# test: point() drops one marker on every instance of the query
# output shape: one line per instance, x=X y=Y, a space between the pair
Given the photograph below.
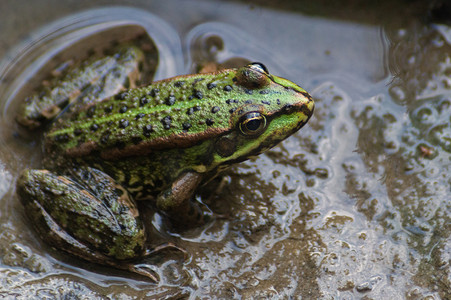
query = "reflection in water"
x=355 y=205
x=412 y=157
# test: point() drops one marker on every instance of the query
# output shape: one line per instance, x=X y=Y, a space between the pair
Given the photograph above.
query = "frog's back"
x=175 y=113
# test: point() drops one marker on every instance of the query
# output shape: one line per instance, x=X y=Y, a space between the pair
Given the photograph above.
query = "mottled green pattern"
x=93 y=80
x=95 y=214
x=185 y=109
x=157 y=143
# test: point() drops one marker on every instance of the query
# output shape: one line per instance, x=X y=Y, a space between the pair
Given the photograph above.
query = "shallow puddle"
x=355 y=205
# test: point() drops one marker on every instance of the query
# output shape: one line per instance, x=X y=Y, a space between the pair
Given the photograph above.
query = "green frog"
x=109 y=143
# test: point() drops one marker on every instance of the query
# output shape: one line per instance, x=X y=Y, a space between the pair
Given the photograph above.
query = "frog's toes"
x=143 y=270
x=164 y=247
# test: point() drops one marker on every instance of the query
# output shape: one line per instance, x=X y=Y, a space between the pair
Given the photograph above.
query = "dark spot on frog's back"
x=94 y=127
x=170 y=100
x=139 y=116
x=211 y=85
x=198 y=94
x=121 y=96
x=166 y=121
x=154 y=92
x=192 y=110
x=147 y=130
x=61 y=138
x=143 y=101
x=179 y=83
x=123 y=109
x=123 y=123
x=230 y=101
x=108 y=109
x=186 y=126
x=91 y=111
x=197 y=80
x=228 y=88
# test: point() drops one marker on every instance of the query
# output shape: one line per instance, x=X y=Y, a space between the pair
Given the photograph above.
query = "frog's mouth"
x=286 y=121
x=303 y=108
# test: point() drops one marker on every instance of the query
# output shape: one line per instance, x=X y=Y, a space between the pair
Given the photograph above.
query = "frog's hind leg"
x=81 y=85
x=87 y=215
x=119 y=72
x=59 y=239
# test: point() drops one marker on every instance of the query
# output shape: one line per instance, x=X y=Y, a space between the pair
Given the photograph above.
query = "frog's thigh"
x=88 y=207
x=176 y=202
x=56 y=236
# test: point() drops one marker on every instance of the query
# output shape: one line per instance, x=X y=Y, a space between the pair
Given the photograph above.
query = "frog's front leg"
x=176 y=201
x=86 y=214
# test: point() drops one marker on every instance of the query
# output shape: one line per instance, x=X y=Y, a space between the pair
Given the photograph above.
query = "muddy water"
x=355 y=205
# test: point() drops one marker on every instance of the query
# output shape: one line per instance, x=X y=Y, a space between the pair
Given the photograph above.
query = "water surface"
x=356 y=204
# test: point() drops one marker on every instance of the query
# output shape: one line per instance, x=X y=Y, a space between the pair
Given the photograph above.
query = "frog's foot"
x=92 y=218
x=164 y=247
x=146 y=269
x=143 y=270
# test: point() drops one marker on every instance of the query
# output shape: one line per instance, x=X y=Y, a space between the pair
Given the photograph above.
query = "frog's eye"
x=254 y=76
x=258 y=67
x=252 y=123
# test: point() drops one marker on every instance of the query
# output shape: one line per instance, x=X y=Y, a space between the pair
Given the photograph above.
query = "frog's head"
x=276 y=109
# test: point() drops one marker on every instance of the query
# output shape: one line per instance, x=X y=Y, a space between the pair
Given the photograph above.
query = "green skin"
x=157 y=143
